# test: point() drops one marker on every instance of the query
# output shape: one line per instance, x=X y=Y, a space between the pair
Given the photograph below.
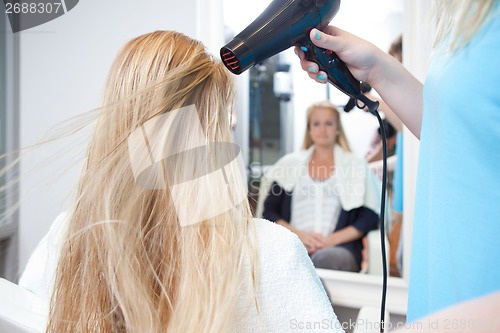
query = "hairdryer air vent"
x=230 y=60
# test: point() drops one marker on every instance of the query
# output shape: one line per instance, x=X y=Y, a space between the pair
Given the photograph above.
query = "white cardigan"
x=290 y=295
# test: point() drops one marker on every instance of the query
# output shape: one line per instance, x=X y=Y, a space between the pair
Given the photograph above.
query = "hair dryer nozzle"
x=237 y=56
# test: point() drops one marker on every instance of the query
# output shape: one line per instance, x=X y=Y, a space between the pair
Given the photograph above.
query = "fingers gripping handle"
x=338 y=74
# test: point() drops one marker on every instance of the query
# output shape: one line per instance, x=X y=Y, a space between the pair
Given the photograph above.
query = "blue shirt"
x=456 y=232
x=397 y=180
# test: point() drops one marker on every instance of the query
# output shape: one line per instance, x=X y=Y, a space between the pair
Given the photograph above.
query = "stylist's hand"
x=311 y=240
x=360 y=56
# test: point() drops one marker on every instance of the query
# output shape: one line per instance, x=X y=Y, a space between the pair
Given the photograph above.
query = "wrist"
x=331 y=241
x=382 y=68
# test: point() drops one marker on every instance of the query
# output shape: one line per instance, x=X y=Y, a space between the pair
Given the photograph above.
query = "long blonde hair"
x=127 y=264
x=460 y=20
x=341 y=137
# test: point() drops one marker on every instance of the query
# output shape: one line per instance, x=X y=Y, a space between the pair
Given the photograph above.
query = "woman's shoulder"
x=38 y=275
x=289 y=288
x=293 y=159
x=271 y=233
x=279 y=246
x=347 y=156
x=287 y=169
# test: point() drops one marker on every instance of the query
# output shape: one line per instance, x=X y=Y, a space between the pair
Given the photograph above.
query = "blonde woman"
x=456 y=115
x=160 y=236
x=324 y=194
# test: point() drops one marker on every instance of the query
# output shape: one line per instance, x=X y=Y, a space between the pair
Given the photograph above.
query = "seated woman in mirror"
x=324 y=193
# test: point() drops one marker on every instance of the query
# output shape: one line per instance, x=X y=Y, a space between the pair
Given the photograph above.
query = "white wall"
x=64 y=64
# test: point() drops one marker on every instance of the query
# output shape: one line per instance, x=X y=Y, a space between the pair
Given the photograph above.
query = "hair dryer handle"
x=338 y=74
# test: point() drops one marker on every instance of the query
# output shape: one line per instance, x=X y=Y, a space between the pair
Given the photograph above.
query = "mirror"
x=276 y=127
x=380 y=23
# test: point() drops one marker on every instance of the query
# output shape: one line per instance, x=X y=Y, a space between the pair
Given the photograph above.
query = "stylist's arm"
x=398 y=88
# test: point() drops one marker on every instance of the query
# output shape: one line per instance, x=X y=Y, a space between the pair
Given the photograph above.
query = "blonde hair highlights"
x=127 y=264
x=458 y=21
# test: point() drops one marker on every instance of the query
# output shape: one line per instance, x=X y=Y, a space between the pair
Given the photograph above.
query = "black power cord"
x=361 y=102
x=382 y=218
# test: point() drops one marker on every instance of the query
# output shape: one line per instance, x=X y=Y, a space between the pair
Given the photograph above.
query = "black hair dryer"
x=286 y=23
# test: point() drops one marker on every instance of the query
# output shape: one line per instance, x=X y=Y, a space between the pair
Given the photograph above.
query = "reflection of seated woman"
x=324 y=194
